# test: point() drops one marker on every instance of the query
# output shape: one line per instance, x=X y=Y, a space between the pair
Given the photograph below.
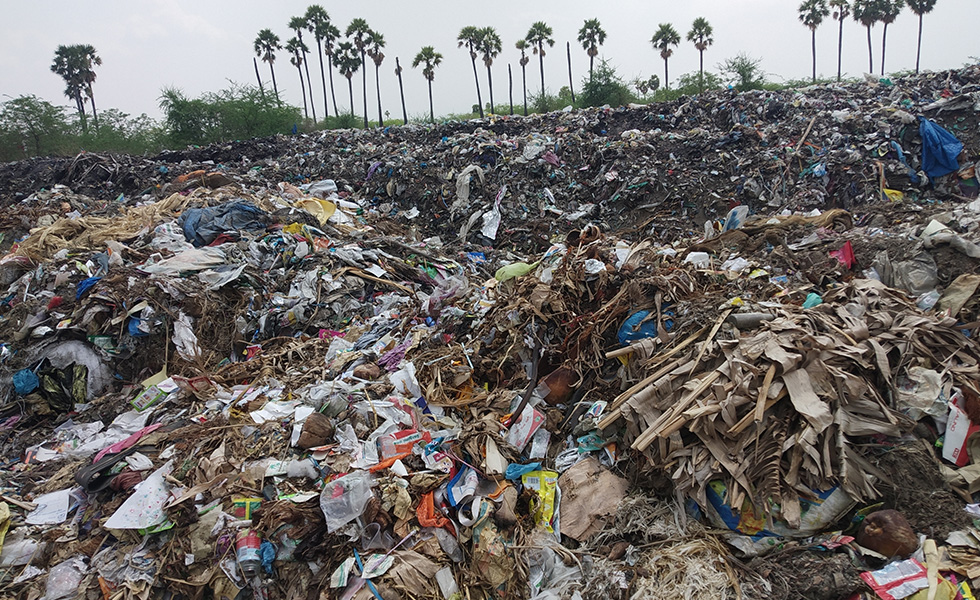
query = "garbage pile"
x=596 y=354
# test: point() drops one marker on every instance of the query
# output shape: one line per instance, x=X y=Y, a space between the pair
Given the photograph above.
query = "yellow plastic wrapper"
x=321 y=209
x=545 y=483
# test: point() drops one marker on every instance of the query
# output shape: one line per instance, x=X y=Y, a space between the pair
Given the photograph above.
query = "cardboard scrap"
x=590 y=496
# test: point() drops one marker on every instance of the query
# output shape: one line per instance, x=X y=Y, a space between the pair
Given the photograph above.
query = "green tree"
x=920 y=8
x=469 y=37
x=238 y=112
x=867 y=13
x=316 y=21
x=375 y=43
x=347 y=60
x=591 y=36
x=75 y=64
x=538 y=35
x=33 y=125
x=605 y=86
x=743 y=72
x=359 y=31
x=265 y=45
x=295 y=48
x=489 y=45
x=812 y=14
x=522 y=45
x=299 y=24
x=644 y=86
x=429 y=59
x=842 y=10
x=665 y=37
x=890 y=9
x=700 y=33
x=691 y=83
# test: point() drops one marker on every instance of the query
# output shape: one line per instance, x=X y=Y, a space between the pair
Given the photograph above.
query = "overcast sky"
x=199 y=46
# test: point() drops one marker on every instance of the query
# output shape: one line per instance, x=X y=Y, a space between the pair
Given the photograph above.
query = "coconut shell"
x=888 y=533
x=317 y=431
x=562 y=383
x=368 y=372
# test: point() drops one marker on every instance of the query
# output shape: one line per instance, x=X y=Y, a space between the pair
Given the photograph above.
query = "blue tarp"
x=202 y=225
x=940 y=149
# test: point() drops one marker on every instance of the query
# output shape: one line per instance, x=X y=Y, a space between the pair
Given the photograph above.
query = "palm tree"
x=700 y=34
x=920 y=7
x=295 y=48
x=298 y=24
x=75 y=65
x=401 y=90
x=375 y=42
x=842 y=10
x=890 y=9
x=360 y=32
x=430 y=59
x=522 y=45
x=591 y=36
x=266 y=44
x=538 y=35
x=316 y=19
x=469 y=36
x=330 y=34
x=347 y=60
x=665 y=37
x=489 y=45
x=812 y=13
x=866 y=13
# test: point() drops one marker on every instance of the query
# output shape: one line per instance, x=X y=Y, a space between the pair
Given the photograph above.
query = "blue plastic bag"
x=634 y=328
x=84 y=286
x=25 y=382
x=940 y=149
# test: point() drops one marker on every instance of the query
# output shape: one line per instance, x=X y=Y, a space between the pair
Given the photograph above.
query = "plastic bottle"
x=247 y=545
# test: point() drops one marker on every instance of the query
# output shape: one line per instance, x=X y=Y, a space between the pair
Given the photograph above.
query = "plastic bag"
x=64 y=579
x=343 y=500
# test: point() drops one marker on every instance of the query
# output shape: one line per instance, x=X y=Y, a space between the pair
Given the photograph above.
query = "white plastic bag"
x=343 y=500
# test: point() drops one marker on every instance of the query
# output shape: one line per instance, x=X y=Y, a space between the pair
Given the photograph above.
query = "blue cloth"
x=940 y=149
x=84 y=286
x=25 y=382
x=514 y=470
x=913 y=176
x=202 y=226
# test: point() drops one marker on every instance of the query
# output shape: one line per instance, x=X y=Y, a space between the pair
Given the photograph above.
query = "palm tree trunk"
x=377 y=85
x=364 y=87
x=80 y=106
x=840 y=46
x=493 y=107
x=871 y=65
x=309 y=84
x=884 y=36
x=350 y=88
x=432 y=114
x=568 y=51
x=918 y=48
x=275 y=87
x=302 y=86
x=323 y=79
x=479 y=98
x=541 y=65
x=591 y=62
x=333 y=96
x=813 y=50
x=95 y=115
x=666 y=78
x=701 y=73
x=524 y=85
x=510 y=88
x=401 y=91
x=255 y=64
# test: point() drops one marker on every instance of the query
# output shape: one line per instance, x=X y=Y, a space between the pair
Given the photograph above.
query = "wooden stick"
x=711 y=336
x=673 y=420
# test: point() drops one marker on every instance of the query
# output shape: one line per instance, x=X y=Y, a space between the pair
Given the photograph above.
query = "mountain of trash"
x=722 y=347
